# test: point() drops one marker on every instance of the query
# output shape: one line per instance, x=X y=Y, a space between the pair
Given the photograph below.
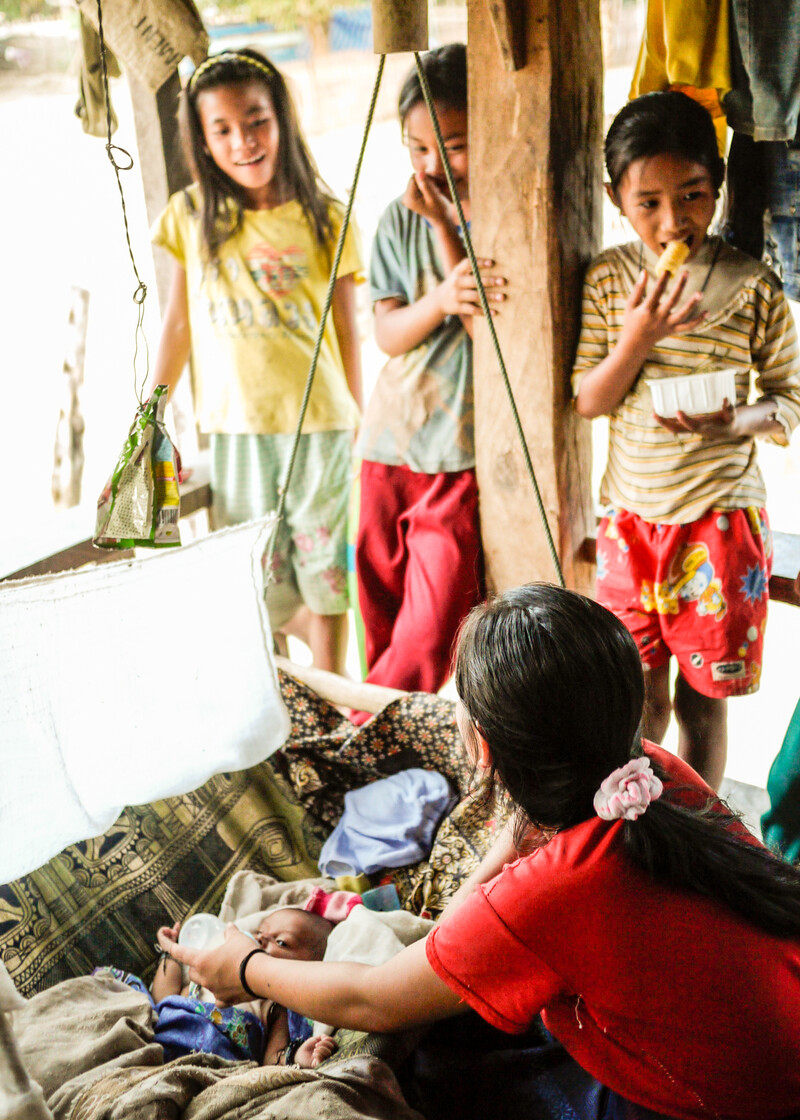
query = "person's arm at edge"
x=345 y=322
x=175 y=342
x=403 y=992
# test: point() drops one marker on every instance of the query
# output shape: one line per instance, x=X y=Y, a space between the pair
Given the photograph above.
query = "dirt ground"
x=63 y=226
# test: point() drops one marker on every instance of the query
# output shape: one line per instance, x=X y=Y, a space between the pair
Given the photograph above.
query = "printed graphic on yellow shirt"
x=691 y=578
x=276 y=271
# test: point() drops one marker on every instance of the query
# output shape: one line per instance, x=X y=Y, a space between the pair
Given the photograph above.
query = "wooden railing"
x=69 y=544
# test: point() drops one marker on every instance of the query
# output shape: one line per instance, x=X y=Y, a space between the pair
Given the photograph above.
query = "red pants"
x=419 y=565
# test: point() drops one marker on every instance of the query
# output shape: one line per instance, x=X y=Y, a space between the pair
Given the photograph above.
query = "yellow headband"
x=232 y=56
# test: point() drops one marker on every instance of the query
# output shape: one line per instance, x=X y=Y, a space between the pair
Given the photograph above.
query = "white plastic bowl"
x=202 y=931
x=696 y=395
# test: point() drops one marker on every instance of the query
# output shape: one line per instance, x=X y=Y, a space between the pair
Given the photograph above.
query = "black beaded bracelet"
x=242 y=967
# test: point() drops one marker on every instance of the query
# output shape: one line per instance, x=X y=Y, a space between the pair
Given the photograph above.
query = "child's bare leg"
x=167 y=980
x=703 y=731
x=296 y=627
x=299 y=625
x=169 y=975
x=327 y=638
x=277 y=1040
x=657 y=703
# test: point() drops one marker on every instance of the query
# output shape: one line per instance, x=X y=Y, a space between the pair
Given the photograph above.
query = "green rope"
x=321 y=329
x=487 y=314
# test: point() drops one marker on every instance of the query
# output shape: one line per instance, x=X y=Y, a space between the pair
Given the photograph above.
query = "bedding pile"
x=88 y=1043
x=100 y=902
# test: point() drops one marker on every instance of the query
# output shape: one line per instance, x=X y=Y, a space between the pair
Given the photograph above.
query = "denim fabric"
x=783 y=225
x=765 y=47
x=763 y=211
x=746 y=195
x=468 y=1069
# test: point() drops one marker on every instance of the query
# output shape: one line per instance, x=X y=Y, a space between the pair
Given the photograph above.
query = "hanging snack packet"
x=140 y=504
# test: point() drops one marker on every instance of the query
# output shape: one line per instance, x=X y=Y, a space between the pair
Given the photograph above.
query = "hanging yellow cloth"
x=686 y=46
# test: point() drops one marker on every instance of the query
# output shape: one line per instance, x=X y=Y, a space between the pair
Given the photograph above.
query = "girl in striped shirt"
x=683 y=550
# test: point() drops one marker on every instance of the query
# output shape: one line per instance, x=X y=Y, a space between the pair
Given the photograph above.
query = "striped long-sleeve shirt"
x=675 y=479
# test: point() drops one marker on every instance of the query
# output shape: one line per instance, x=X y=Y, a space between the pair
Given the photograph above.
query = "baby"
x=292 y=933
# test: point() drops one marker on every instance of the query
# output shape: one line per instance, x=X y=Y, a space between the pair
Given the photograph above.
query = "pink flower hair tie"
x=626 y=793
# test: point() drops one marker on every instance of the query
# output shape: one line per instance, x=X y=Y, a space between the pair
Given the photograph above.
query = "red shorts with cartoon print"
x=696 y=591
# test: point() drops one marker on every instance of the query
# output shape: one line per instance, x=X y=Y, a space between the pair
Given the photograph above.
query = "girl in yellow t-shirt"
x=252 y=243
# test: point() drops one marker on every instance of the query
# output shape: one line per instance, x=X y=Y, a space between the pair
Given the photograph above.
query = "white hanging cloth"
x=127 y=682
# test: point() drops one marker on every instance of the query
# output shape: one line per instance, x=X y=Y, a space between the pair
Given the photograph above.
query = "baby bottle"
x=202 y=931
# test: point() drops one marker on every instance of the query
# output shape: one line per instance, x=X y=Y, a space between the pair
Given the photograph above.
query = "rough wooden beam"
x=68 y=454
x=68 y=542
x=535 y=185
x=164 y=171
x=508 y=18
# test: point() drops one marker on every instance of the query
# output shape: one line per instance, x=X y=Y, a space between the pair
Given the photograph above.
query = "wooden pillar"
x=536 y=116
x=68 y=455
x=164 y=171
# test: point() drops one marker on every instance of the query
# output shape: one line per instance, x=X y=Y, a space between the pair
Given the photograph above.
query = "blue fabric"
x=466 y=1068
x=783 y=226
x=765 y=45
x=763 y=214
x=389 y=823
x=780 y=825
x=299 y=1026
x=185 y=1025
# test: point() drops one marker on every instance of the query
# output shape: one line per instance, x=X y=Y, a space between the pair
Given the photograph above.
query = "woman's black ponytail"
x=554 y=683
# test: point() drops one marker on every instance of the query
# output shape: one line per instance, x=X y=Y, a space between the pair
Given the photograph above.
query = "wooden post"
x=399 y=25
x=68 y=455
x=535 y=185
x=164 y=171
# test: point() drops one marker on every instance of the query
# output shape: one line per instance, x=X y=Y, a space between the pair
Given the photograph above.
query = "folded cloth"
x=117 y=687
x=388 y=823
x=334 y=906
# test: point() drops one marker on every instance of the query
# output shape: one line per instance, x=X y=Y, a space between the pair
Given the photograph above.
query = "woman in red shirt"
x=657 y=939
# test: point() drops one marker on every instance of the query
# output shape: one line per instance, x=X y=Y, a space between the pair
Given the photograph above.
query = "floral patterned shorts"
x=697 y=591
x=309 y=563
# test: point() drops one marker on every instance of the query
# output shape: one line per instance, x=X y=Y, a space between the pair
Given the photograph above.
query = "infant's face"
x=294 y=934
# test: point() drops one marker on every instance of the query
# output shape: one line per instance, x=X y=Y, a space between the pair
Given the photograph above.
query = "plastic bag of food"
x=140 y=504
